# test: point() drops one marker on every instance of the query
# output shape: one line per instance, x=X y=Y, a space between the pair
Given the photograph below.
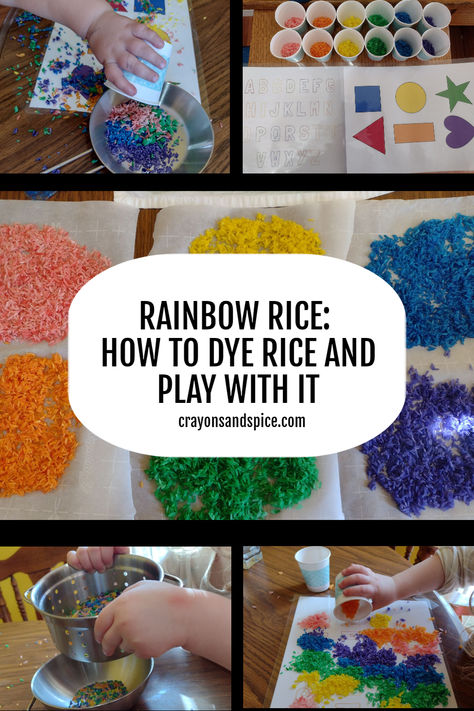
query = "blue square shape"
x=367 y=98
x=153 y=5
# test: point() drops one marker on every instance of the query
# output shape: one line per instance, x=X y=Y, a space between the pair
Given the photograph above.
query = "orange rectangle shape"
x=413 y=132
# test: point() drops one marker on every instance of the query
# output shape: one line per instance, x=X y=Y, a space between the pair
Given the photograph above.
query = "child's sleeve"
x=458 y=566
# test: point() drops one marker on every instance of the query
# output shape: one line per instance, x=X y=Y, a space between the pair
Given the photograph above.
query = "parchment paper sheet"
x=96 y=485
x=176 y=227
x=236 y=198
x=324 y=503
x=395 y=217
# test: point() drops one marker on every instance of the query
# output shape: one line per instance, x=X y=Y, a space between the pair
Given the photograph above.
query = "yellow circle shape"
x=410 y=97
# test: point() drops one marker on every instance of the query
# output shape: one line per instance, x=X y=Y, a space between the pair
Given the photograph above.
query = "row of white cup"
x=437 y=38
x=437 y=12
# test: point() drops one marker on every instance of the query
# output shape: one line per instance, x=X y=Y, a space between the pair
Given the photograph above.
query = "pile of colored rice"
x=41 y=270
x=143 y=137
x=94 y=604
x=37 y=438
x=98 y=693
x=426 y=457
x=431 y=268
x=245 y=236
x=240 y=488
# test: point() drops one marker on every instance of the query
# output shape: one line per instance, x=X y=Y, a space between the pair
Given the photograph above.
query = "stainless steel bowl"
x=57 y=681
x=60 y=591
x=198 y=135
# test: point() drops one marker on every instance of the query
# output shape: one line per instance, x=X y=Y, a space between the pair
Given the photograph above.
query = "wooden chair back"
x=423 y=552
x=35 y=561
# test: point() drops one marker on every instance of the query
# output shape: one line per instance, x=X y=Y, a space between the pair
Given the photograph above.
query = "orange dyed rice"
x=405 y=640
x=37 y=439
x=41 y=270
x=350 y=608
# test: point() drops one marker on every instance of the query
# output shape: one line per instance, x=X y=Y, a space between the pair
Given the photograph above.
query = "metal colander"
x=63 y=589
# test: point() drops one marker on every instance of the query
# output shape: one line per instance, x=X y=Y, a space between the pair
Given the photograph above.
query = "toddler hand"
x=147 y=618
x=363 y=581
x=94 y=558
x=117 y=42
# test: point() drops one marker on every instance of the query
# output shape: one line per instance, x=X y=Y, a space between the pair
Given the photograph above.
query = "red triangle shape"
x=373 y=135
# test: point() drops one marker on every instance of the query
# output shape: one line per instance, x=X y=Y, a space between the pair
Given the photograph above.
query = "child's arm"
x=117 y=41
x=383 y=589
x=149 y=618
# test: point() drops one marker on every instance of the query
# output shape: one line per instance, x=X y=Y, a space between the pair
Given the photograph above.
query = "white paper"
x=66 y=51
x=96 y=484
x=413 y=612
x=293 y=120
x=414 y=157
x=390 y=217
x=176 y=227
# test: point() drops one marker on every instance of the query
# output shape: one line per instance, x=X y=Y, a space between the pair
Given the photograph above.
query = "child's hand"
x=363 y=581
x=117 y=42
x=94 y=558
x=148 y=618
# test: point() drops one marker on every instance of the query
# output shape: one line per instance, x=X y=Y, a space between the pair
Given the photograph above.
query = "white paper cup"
x=380 y=7
x=148 y=92
x=413 y=8
x=284 y=37
x=440 y=42
x=350 y=8
x=317 y=36
x=407 y=34
x=321 y=8
x=314 y=566
x=353 y=36
x=291 y=9
x=440 y=15
x=382 y=34
x=364 y=604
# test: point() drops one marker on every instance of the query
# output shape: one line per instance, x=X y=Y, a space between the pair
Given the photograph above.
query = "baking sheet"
x=176 y=227
x=324 y=503
x=395 y=217
x=237 y=198
x=413 y=612
x=96 y=484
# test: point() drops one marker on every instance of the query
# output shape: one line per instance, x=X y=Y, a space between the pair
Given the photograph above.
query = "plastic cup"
x=363 y=608
x=314 y=566
x=440 y=41
x=317 y=35
x=440 y=15
x=382 y=34
x=321 y=8
x=291 y=9
x=380 y=7
x=413 y=8
x=412 y=37
x=353 y=36
x=283 y=37
x=350 y=8
x=148 y=92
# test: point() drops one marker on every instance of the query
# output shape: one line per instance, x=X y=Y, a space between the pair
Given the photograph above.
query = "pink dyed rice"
x=41 y=270
x=319 y=620
x=289 y=49
x=294 y=21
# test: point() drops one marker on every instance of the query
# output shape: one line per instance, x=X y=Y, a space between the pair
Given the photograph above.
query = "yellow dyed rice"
x=244 y=236
x=395 y=703
x=380 y=620
x=337 y=685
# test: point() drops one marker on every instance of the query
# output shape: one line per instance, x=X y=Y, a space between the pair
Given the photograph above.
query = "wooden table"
x=272 y=587
x=179 y=679
x=26 y=149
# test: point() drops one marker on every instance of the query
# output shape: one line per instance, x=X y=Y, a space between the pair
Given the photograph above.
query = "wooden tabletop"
x=26 y=144
x=271 y=589
x=179 y=680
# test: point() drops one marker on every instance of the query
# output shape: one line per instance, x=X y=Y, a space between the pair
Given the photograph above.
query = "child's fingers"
x=84 y=560
x=115 y=75
x=142 y=50
x=143 y=32
x=356 y=568
x=132 y=64
x=122 y=549
x=104 y=621
x=360 y=591
x=111 y=640
x=354 y=579
x=72 y=559
x=96 y=554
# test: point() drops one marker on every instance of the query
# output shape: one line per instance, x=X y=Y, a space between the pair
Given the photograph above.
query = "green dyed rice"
x=240 y=488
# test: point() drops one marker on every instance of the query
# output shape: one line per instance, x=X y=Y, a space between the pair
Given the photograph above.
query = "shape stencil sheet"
x=410 y=613
x=406 y=119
